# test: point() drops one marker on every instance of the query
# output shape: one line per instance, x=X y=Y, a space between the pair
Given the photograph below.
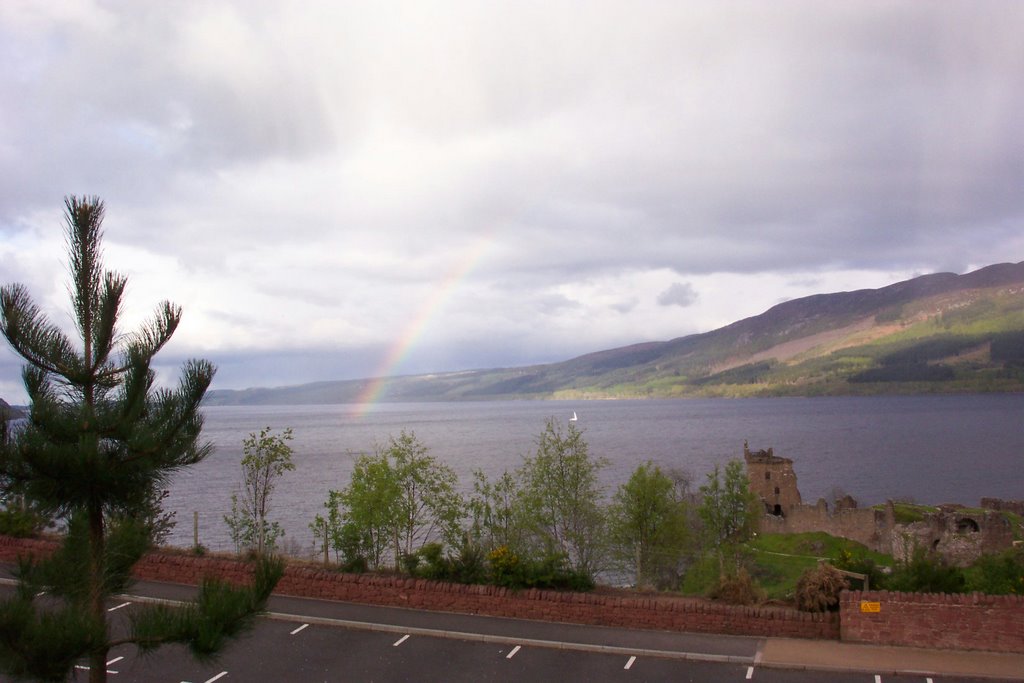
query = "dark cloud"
x=316 y=177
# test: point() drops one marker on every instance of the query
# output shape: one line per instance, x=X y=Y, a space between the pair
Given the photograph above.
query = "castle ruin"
x=773 y=480
x=958 y=534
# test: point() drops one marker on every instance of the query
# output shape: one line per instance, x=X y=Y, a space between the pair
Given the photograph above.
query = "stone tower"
x=772 y=479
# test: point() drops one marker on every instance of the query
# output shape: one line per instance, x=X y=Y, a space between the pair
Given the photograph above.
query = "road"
x=313 y=640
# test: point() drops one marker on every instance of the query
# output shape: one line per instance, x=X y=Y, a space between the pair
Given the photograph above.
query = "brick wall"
x=648 y=612
x=935 y=620
x=962 y=622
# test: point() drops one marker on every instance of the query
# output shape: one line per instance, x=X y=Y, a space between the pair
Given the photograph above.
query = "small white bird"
x=573 y=418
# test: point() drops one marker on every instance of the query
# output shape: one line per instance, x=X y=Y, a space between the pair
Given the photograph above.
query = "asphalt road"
x=313 y=640
x=280 y=650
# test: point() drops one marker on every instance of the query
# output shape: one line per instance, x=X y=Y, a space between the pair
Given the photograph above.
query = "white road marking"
x=85 y=668
x=115 y=660
x=401 y=640
x=928 y=680
x=629 y=664
x=750 y=672
x=512 y=654
x=222 y=674
x=299 y=629
x=123 y=604
x=878 y=679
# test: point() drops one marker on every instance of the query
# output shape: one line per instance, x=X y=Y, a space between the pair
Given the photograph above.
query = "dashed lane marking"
x=299 y=629
x=400 y=640
x=878 y=679
x=123 y=604
x=750 y=672
x=82 y=667
x=629 y=664
x=115 y=660
x=222 y=674
x=512 y=654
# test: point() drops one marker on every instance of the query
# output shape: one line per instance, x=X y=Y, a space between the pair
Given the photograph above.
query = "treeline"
x=919 y=362
x=548 y=523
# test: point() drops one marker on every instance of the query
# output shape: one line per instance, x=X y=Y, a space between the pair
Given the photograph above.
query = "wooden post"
x=853 y=575
x=326 y=545
x=195 y=528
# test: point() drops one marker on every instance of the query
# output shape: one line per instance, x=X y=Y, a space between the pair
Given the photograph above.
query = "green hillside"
x=936 y=333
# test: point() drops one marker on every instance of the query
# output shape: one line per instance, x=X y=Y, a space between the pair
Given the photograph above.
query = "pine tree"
x=100 y=440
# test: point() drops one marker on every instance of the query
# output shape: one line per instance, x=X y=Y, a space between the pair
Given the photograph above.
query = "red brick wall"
x=936 y=620
x=661 y=612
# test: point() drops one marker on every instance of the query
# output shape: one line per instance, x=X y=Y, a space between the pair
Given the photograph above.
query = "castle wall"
x=863 y=525
x=998 y=505
x=959 y=537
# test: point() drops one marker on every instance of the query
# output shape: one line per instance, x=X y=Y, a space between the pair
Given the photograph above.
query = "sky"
x=338 y=190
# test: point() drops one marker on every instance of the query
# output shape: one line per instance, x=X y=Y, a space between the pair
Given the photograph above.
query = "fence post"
x=326 y=558
x=195 y=528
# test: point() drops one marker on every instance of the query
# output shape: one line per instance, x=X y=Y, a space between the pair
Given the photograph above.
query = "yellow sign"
x=866 y=606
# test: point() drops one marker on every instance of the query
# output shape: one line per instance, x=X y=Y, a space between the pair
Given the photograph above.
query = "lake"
x=933 y=449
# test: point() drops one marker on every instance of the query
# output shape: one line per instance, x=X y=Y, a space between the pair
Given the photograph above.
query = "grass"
x=780 y=559
x=776 y=561
x=908 y=513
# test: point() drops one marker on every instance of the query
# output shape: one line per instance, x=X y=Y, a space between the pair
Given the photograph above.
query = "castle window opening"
x=777 y=510
x=967 y=525
x=776 y=490
x=767 y=475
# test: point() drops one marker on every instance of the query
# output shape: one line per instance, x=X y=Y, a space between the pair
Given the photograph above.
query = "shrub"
x=354 y=565
x=552 y=572
x=737 y=589
x=861 y=564
x=1001 y=574
x=818 y=588
x=926 y=573
x=469 y=565
x=504 y=566
x=429 y=562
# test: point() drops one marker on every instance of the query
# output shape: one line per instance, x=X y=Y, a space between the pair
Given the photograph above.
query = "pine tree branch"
x=33 y=337
x=220 y=612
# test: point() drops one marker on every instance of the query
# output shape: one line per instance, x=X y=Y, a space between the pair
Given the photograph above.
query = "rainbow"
x=413 y=330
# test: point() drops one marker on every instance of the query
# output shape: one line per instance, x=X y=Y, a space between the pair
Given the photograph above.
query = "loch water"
x=933 y=449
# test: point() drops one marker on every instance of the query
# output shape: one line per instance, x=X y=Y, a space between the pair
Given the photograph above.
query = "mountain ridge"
x=814 y=345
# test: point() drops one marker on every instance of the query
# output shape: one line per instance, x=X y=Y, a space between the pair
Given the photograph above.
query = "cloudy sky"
x=338 y=190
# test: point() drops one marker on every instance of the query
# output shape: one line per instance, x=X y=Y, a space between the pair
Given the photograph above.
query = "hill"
x=9 y=412
x=935 y=333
